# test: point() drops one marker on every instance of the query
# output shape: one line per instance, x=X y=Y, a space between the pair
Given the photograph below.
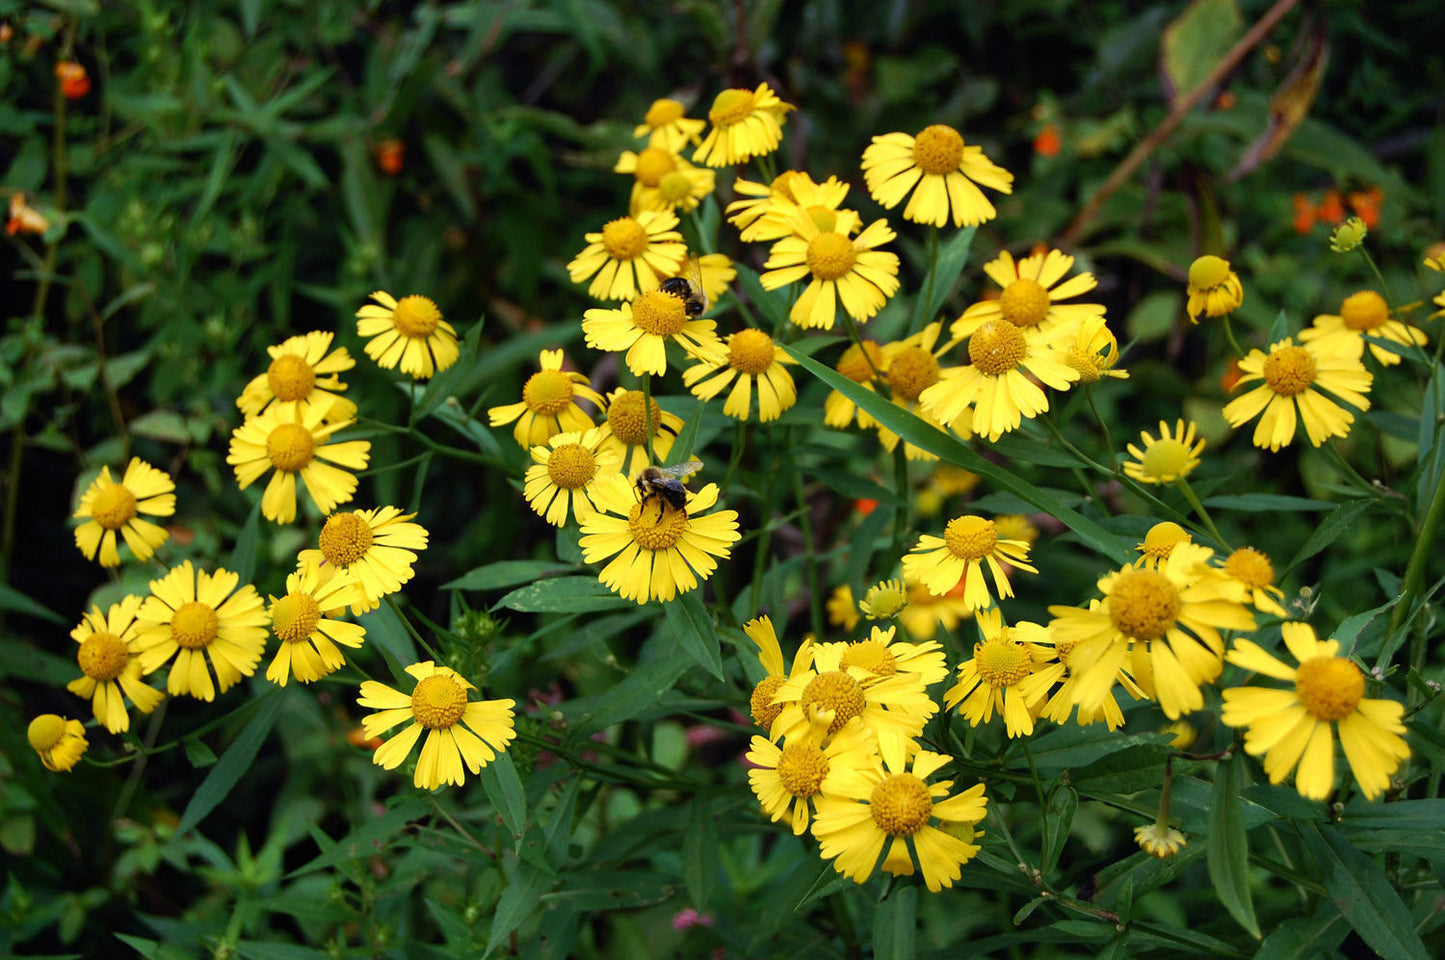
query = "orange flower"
x=1304 y=214
x=1332 y=208
x=24 y=218
x=1048 y=143
x=74 y=81
x=1366 y=205
x=864 y=506
x=1231 y=375
x=1225 y=101
x=390 y=155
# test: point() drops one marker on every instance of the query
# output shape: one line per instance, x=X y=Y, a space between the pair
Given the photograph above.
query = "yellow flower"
x=296 y=445
x=883 y=655
x=910 y=367
x=1214 y=289
x=1160 y=542
x=842 y=611
x=967 y=545
x=657 y=552
x=785 y=778
x=745 y=124
x=838 y=268
x=1173 y=455
x=1168 y=619
x=458 y=732
x=1291 y=374
x=876 y=806
x=110 y=670
x=642 y=329
x=308 y=636
x=884 y=600
x=409 y=332
x=926 y=612
x=666 y=126
x=1348 y=236
x=820 y=202
x=750 y=359
x=301 y=373
x=1363 y=314
x=60 y=743
x=993 y=679
x=548 y=405
x=1293 y=727
x=858 y=366
x=629 y=256
x=625 y=432
x=716 y=270
x=1159 y=840
x=662 y=180
x=1252 y=568
x=1061 y=703
x=770 y=655
x=757 y=199
x=194 y=616
x=376 y=548
x=945 y=171
x=1094 y=352
x=1014 y=526
x=566 y=469
x=108 y=506
x=1031 y=294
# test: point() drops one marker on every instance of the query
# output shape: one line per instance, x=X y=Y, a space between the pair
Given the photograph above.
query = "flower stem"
x=1425 y=548
x=1204 y=516
x=1229 y=335
x=932 y=269
x=1104 y=426
x=396 y=609
x=805 y=522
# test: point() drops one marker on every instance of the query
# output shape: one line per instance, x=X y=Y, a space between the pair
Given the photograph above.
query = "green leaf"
x=700 y=854
x=1363 y=893
x=686 y=442
x=504 y=789
x=952 y=257
x=1399 y=815
x=1197 y=40
x=243 y=554
x=1228 y=851
x=1058 y=819
x=506 y=573
x=1343 y=518
x=1076 y=746
x=517 y=902
x=895 y=925
x=1305 y=938
x=364 y=841
x=637 y=692
x=384 y=627
x=234 y=762
x=1265 y=502
x=16 y=602
x=564 y=595
x=693 y=627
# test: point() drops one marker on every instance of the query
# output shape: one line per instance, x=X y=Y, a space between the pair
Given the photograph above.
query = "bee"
x=664 y=484
x=688 y=289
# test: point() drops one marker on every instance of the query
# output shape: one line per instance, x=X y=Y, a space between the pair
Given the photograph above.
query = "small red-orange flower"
x=1332 y=208
x=1366 y=205
x=24 y=218
x=1231 y=375
x=1048 y=143
x=1304 y=214
x=74 y=81
x=390 y=156
x=865 y=506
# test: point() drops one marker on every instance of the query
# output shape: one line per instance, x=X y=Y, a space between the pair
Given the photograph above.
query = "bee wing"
x=694 y=274
x=684 y=470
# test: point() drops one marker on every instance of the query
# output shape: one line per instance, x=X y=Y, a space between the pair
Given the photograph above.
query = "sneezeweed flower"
x=459 y=732
x=630 y=256
x=625 y=431
x=24 y=218
x=1094 y=352
x=657 y=552
x=948 y=480
x=745 y=124
x=643 y=330
x=993 y=679
x=665 y=125
x=840 y=269
x=1290 y=376
x=1348 y=236
x=1165 y=622
x=770 y=655
x=564 y=470
x=756 y=199
x=842 y=610
x=1159 y=840
x=787 y=778
x=945 y=171
x=861 y=365
x=1363 y=314
x=1252 y=568
x=409 y=333
x=1294 y=727
x=302 y=373
x=1214 y=289
x=884 y=654
x=910 y=368
x=60 y=743
x=1016 y=526
x=927 y=612
x=296 y=446
x=1160 y=542
x=820 y=202
x=109 y=506
x=1032 y=289
x=877 y=806
x=308 y=636
x=1174 y=454
x=750 y=358
x=664 y=181
x=969 y=543
x=110 y=670
x=884 y=600
x=376 y=548
x=74 y=80
x=192 y=617
x=549 y=403
x=716 y=271
x=1062 y=701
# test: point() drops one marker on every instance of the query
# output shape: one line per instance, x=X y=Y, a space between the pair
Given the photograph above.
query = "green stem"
x=1104 y=426
x=805 y=522
x=1162 y=820
x=1203 y=514
x=932 y=269
x=1347 y=469
x=396 y=608
x=1425 y=548
x=900 y=516
x=1229 y=335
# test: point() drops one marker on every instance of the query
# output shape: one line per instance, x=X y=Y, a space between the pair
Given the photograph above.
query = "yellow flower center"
x=194 y=625
x=624 y=239
x=834 y=690
x=1162 y=538
x=416 y=317
x=900 y=805
x=1330 y=688
x=938 y=150
x=750 y=351
x=660 y=314
x=730 y=107
x=1062 y=649
x=1002 y=663
x=886 y=599
x=830 y=256
x=1364 y=311
x=1208 y=272
x=1144 y=604
x=547 y=392
x=674 y=186
x=1250 y=567
x=45 y=732
x=662 y=112
x=571 y=466
x=801 y=768
x=912 y=371
x=438 y=702
x=761 y=702
x=629 y=424
x=1165 y=458
x=1289 y=370
x=658 y=526
x=970 y=538
x=294 y=617
x=1024 y=302
x=345 y=539
x=103 y=656
x=855 y=365
x=290 y=447
x=112 y=506
x=824 y=218
x=653 y=164
x=290 y=377
x=996 y=347
x=872 y=656
x=1090 y=365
